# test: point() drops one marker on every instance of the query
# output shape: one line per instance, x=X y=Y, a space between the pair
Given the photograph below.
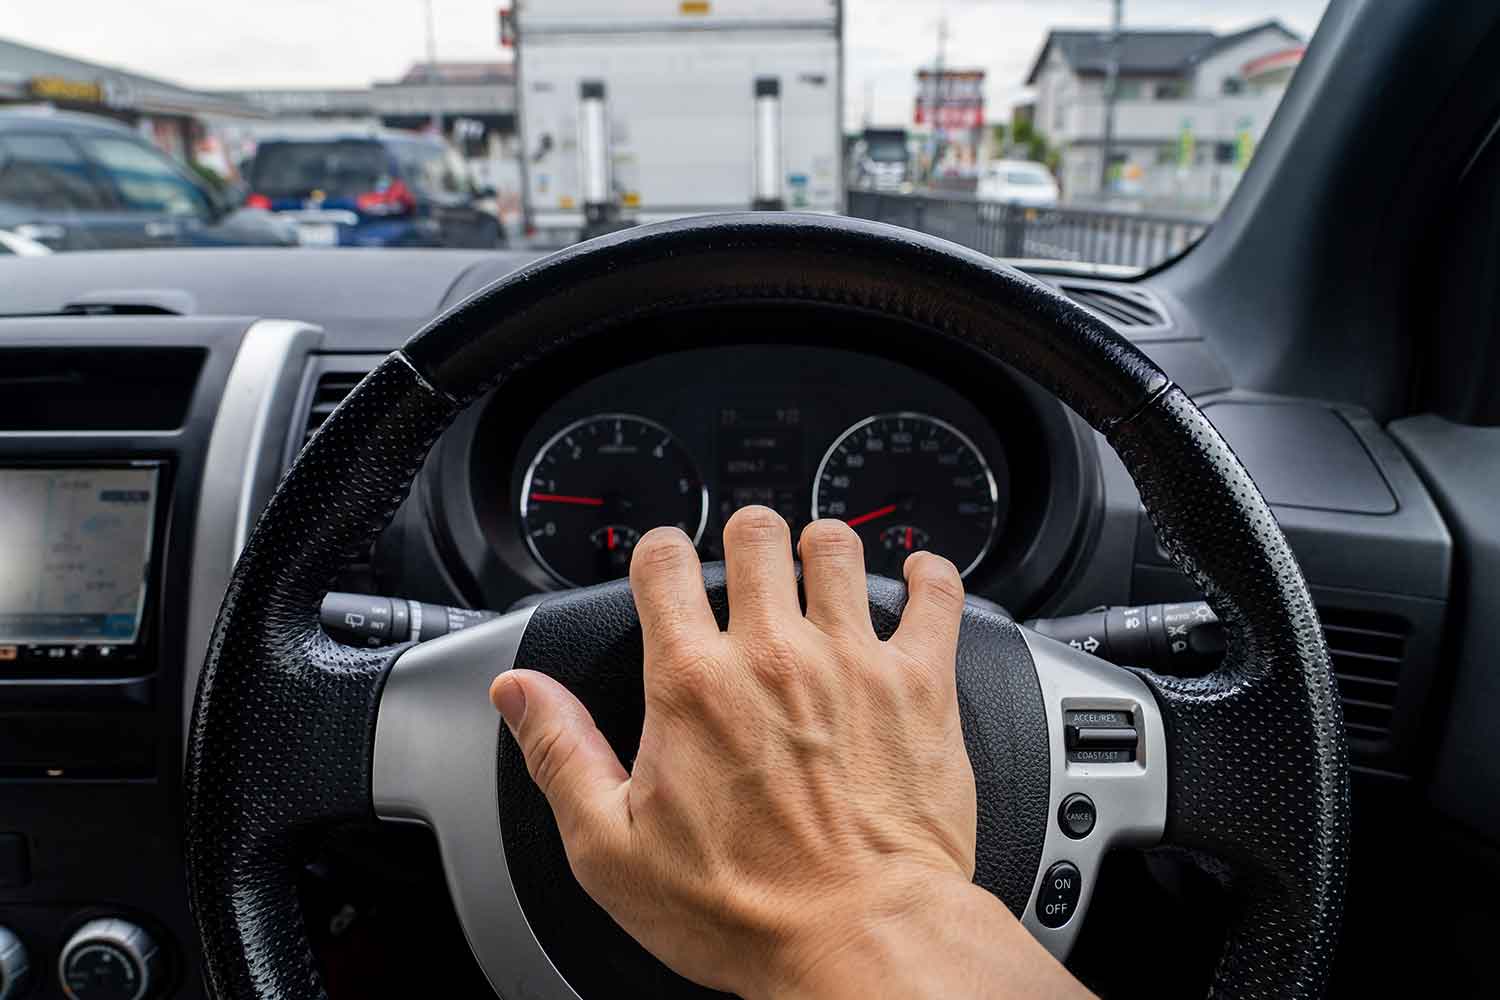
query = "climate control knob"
x=14 y=971
x=108 y=959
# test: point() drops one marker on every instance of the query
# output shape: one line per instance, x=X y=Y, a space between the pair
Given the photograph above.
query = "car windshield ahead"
x=340 y=169
x=1025 y=178
x=1140 y=118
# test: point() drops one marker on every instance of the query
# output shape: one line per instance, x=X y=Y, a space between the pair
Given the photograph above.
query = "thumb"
x=567 y=755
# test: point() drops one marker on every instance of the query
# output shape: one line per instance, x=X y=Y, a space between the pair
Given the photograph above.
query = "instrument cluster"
x=913 y=445
x=907 y=481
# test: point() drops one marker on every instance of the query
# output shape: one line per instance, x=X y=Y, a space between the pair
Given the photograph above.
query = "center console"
x=104 y=436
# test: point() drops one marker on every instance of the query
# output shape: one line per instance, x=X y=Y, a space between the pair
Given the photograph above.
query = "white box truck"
x=642 y=110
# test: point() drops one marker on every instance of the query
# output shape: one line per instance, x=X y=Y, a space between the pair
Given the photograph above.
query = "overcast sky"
x=324 y=43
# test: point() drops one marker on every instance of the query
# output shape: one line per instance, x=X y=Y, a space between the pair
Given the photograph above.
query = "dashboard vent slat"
x=1123 y=308
x=1367 y=649
x=331 y=390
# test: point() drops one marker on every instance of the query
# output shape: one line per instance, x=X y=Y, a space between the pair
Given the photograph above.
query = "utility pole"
x=935 y=146
x=432 y=75
x=1111 y=85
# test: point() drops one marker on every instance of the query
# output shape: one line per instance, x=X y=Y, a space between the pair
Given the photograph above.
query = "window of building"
x=1129 y=90
x=48 y=173
x=1224 y=152
x=1232 y=86
x=1172 y=90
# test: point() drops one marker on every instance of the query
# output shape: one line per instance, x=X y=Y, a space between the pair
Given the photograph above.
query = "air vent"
x=333 y=387
x=331 y=390
x=1120 y=307
x=1367 y=650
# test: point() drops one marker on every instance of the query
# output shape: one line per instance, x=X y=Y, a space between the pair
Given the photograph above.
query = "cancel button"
x=1059 y=896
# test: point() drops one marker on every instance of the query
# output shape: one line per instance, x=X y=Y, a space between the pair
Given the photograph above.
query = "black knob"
x=15 y=971
x=109 y=959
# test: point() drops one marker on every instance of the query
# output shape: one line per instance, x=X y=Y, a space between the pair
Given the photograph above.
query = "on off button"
x=1059 y=896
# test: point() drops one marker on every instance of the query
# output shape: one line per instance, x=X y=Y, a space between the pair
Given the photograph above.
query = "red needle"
x=855 y=522
x=908 y=538
x=609 y=538
x=564 y=498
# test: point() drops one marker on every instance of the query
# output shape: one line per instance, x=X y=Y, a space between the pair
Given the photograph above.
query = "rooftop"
x=1144 y=52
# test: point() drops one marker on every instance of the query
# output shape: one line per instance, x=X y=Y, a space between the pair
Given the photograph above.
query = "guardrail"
x=1085 y=235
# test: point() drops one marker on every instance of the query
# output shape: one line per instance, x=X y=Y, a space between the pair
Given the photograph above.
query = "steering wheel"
x=1245 y=769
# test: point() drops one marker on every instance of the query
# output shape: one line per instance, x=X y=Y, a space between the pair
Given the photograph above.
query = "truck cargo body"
x=694 y=96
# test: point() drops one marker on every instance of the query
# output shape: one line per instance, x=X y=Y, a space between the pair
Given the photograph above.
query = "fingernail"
x=510 y=699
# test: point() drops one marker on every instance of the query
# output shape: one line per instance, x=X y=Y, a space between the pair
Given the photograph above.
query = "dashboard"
x=169 y=420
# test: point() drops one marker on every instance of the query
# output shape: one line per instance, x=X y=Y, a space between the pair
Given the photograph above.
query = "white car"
x=21 y=246
x=1019 y=182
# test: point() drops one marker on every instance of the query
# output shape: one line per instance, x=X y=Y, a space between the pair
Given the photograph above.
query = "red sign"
x=950 y=101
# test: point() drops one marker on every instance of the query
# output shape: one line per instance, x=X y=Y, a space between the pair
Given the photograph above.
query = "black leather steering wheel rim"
x=281 y=734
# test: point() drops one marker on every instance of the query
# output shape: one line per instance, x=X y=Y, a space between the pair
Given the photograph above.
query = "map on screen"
x=76 y=550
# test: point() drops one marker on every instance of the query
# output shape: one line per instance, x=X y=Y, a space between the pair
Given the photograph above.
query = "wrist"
x=871 y=938
x=938 y=936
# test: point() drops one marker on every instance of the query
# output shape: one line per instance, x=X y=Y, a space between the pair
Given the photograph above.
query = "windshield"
x=1025 y=178
x=296 y=169
x=1080 y=132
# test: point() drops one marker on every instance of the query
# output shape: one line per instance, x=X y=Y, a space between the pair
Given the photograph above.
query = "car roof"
x=73 y=122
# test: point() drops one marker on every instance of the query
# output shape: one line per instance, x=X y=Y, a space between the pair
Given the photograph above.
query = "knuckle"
x=755 y=525
x=776 y=657
x=661 y=549
x=547 y=754
x=937 y=579
x=832 y=540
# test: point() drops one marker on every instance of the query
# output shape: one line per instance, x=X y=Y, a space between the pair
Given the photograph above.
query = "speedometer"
x=597 y=485
x=908 y=482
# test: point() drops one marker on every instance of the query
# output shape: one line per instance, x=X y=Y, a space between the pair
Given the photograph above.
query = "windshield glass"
x=1026 y=177
x=1080 y=132
x=296 y=169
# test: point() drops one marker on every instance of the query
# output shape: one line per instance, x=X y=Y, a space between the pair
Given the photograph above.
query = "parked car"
x=1018 y=182
x=80 y=182
x=381 y=189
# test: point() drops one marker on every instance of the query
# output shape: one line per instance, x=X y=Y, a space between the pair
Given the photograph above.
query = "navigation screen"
x=75 y=547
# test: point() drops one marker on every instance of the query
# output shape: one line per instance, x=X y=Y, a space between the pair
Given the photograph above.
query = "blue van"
x=378 y=190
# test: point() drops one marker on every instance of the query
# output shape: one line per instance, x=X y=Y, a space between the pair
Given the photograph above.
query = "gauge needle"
x=609 y=536
x=855 y=522
x=565 y=498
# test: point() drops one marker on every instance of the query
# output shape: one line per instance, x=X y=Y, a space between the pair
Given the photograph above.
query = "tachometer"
x=599 y=484
x=907 y=482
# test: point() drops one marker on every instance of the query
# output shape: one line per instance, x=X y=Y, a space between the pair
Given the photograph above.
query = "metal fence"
x=1086 y=235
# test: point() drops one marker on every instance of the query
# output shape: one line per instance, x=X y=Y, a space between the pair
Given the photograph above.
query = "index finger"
x=666 y=579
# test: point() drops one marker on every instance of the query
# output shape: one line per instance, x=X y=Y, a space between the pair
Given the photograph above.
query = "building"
x=1190 y=107
x=175 y=118
x=474 y=101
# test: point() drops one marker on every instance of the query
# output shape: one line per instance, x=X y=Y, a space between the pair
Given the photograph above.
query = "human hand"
x=801 y=789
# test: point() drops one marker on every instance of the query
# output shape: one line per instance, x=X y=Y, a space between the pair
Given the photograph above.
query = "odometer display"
x=908 y=482
x=597 y=485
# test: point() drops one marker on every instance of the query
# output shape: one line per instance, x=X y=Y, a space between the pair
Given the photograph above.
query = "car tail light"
x=394 y=199
x=258 y=201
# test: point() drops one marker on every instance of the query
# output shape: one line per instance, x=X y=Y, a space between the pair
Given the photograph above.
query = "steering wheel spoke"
x=1108 y=784
x=436 y=761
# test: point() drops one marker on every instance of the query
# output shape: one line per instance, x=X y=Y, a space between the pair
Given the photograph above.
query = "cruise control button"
x=1076 y=816
x=1059 y=896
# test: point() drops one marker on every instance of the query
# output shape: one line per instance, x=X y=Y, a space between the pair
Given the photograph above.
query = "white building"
x=1190 y=108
